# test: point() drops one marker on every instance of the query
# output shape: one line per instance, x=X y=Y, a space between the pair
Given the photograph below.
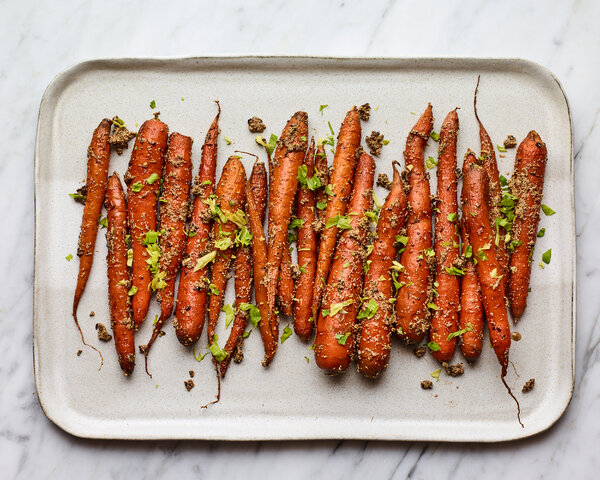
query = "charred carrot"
x=344 y=164
x=376 y=316
x=145 y=168
x=490 y=165
x=290 y=151
x=190 y=310
x=286 y=286
x=334 y=338
x=322 y=172
x=173 y=214
x=119 y=283
x=97 y=174
x=446 y=302
x=527 y=185
x=307 y=250
x=481 y=235
x=471 y=308
x=243 y=272
x=256 y=205
x=412 y=314
x=228 y=208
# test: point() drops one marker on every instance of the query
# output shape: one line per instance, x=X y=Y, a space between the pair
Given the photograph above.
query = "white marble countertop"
x=40 y=39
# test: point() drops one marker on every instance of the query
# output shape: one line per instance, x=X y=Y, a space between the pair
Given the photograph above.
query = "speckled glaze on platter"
x=292 y=399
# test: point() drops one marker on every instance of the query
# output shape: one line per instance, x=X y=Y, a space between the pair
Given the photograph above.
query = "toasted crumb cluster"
x=256 y=125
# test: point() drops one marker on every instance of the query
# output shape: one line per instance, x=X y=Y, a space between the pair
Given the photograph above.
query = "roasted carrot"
x=375 y=328
x=290 y=151
x=190 y=309
x=495 y=192
x=412 y=314
x=526 y=186
x=286 y=285
x=243 y=273
x=174 y=203
x=471 y=309
x=307 y=250
x=228 y=206
x=97 y=174
x=334 y=338
x=256 y=205
x=477 y=218
x=119 y=282
x=145 y=168
x=446 y=303
x=322 y=172
x=344 y=164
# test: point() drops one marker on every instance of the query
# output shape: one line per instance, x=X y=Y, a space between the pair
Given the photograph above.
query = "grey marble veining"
x=40 y=38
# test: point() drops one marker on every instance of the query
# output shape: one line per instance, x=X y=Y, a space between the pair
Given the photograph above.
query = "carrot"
x=471 y=310
x=174 y=203
x=481 y=235
x=322 y=172
x=447 y=300
x=118 y=274
x=412 y=314
x=375 y=329
x=97 y=174
x=229 y=205
x=190 y=309
x=285 y=283
x=307 y=250
x=256 y=205
x=290 y=151
x=145 y=167
x=495 y=192
x=243 y=274
x=527 y=185
x=334 y=338
x=344 y=164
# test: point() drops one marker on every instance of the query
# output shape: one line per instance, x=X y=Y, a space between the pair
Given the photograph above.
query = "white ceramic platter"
x=292 y=399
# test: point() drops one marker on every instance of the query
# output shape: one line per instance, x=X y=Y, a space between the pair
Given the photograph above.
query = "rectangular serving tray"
x=293 y=399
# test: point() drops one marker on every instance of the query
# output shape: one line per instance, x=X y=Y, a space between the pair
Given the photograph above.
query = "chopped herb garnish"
x=368 y=309
x=132 y=291
x=205 y=260
x=287 y=333
x=227 y=140
x=458 y=333
x=454 y=271
x=340 y=221
x=432 y=306
x=385 y=141
x=341 y=338
x=152 y=178
x=547 y=210
x=329 y=190
x=198 y=356
x=223 y=243
x=155 y=321
x=69 y=257
x=321 y=108
x=103 y=221
x=297 y=223
x=430 y=163
x=338 y=307
x=214 y=290
x=433 y=346
x=130 y=257
x=452 y=217
x=402 y=239
x=321 y=205
x=436 y=374
x=434 y=136
x=255 y=316
x=228 y=309
x=136 y=187
x=216 y=351
x=501 y=148
x=546 y=256
x=541 y=233
x=153 y=104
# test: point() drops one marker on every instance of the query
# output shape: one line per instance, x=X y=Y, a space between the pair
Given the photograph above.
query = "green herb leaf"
x=218 y=354
x=158 y=281
x=152 y=178
x=321 y=108
x=331 y=128
x=368 y=309
x=340 y=221
x=287 y=333
x=297 y=223
x=547 y=210
x=341 y=338
x=69 y=257
x=454 y=271
x=452 y=217
x=433 y=346
x=541 y=233
x=77 y=196
x=130 y=257
x=458 y=333
x=132 y=291
x=213 y=289
x=436 y=374
x=338 y=307
x=434 y=136
x=385 y=141
x=255 y=316
x=136 y=187
x=155 y=321
x=223 y=243
x=503 y=181
x=272 y=144
x=103 y=221
x=227 y=140
x=198 y=356
x=321 y=205
x=547 y=256
x=243 y=237
x=501 y=148
x=430 y=163
x=329 y=190
x=205 y=260
x=402 y=239
x=152 y=104
x=432 y=306
x=151 y=237
x=228 y=309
